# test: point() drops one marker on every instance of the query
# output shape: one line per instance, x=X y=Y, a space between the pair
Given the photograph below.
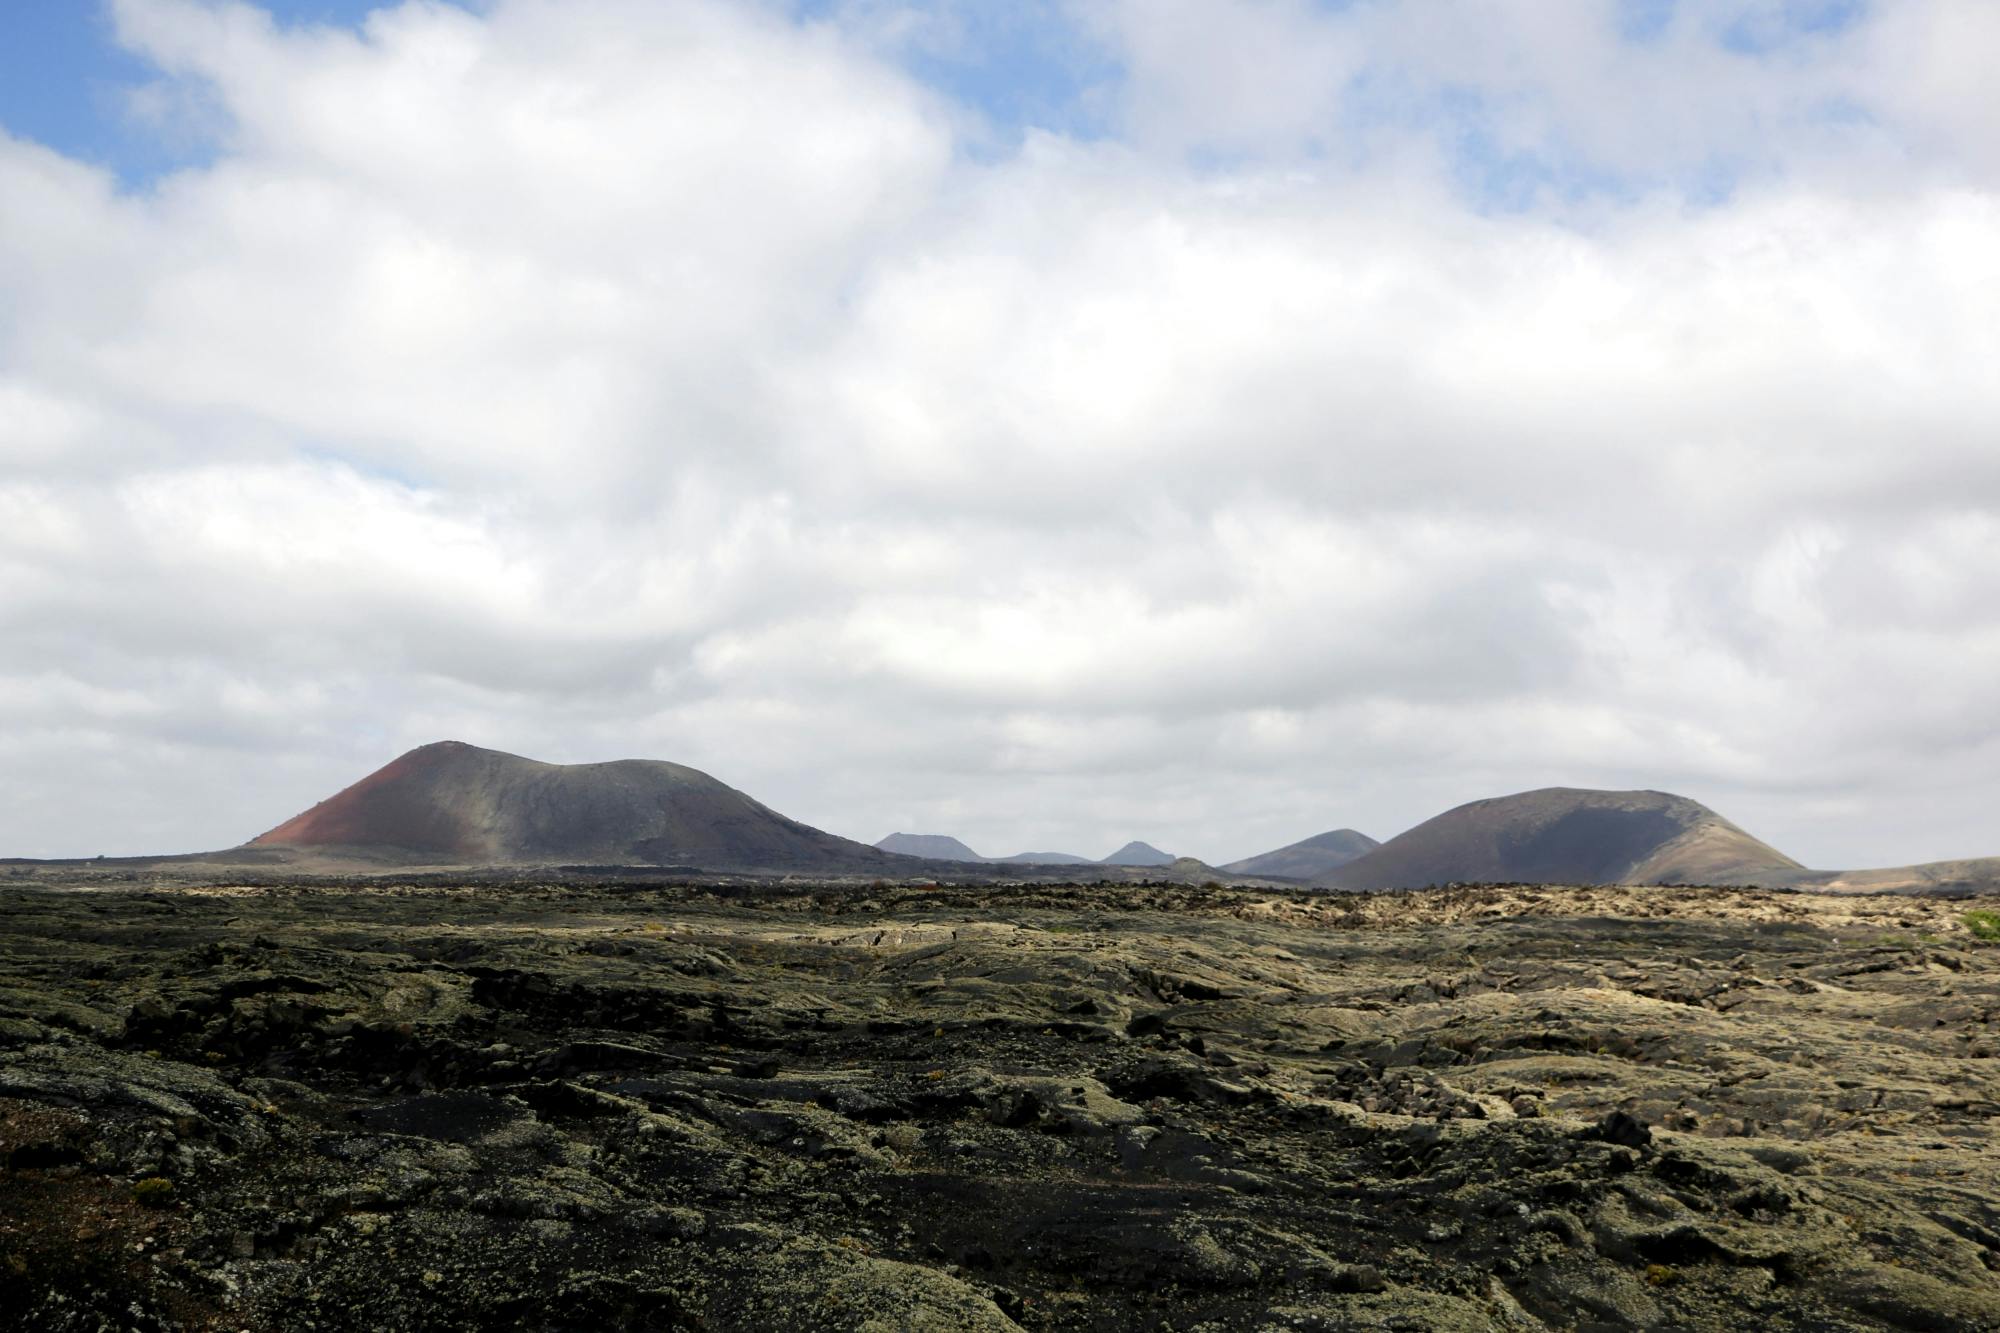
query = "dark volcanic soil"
x=641 y=1106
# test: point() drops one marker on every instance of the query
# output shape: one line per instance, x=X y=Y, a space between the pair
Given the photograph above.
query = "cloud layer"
x=1305 y=417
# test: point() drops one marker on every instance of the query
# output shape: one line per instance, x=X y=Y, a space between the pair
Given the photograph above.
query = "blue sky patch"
x=1032 y=65
x=1765 y=33
x=66 y=83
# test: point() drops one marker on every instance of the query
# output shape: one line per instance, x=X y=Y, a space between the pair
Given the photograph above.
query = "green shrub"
x=154 y=1191
x=1984 y=926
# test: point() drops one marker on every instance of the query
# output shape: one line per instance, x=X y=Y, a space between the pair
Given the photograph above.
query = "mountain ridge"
x=451 y=805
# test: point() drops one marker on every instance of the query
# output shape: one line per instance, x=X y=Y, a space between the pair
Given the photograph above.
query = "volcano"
x=934 y=846
x=1308 y=859
x=1137 y=854
x=1569 y=835
x=455 y=804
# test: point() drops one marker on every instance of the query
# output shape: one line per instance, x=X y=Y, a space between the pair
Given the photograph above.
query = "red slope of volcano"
x=386 y=808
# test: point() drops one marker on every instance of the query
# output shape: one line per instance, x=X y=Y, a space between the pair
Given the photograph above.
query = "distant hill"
x=944 y=847
x=1137 y=854
x=1567 y=835
x=1308 y=859
x=936 y=846
x=456 y=804
x=1976 y=875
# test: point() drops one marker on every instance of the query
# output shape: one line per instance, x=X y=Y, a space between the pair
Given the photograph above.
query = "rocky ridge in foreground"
x=1046 y=1107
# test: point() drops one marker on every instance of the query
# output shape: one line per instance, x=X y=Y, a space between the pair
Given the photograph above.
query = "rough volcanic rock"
x=469 y=1105
x=1567 y=835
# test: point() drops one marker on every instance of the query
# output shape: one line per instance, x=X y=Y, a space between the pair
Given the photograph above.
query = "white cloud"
x=607 y=378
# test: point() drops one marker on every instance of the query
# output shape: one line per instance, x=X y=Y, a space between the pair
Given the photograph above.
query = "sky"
x=1048 y=424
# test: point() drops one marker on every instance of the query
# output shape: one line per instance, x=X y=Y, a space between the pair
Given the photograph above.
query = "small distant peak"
x=1137 y=854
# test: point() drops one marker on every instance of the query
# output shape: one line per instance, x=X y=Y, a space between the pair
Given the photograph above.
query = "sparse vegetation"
x=903 y=1138
x=896 y=1120
x=1983 y=925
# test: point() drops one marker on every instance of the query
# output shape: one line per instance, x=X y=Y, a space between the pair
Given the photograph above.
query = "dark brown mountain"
x=1308 y=859
x=456 y=804
x=1567 y=835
